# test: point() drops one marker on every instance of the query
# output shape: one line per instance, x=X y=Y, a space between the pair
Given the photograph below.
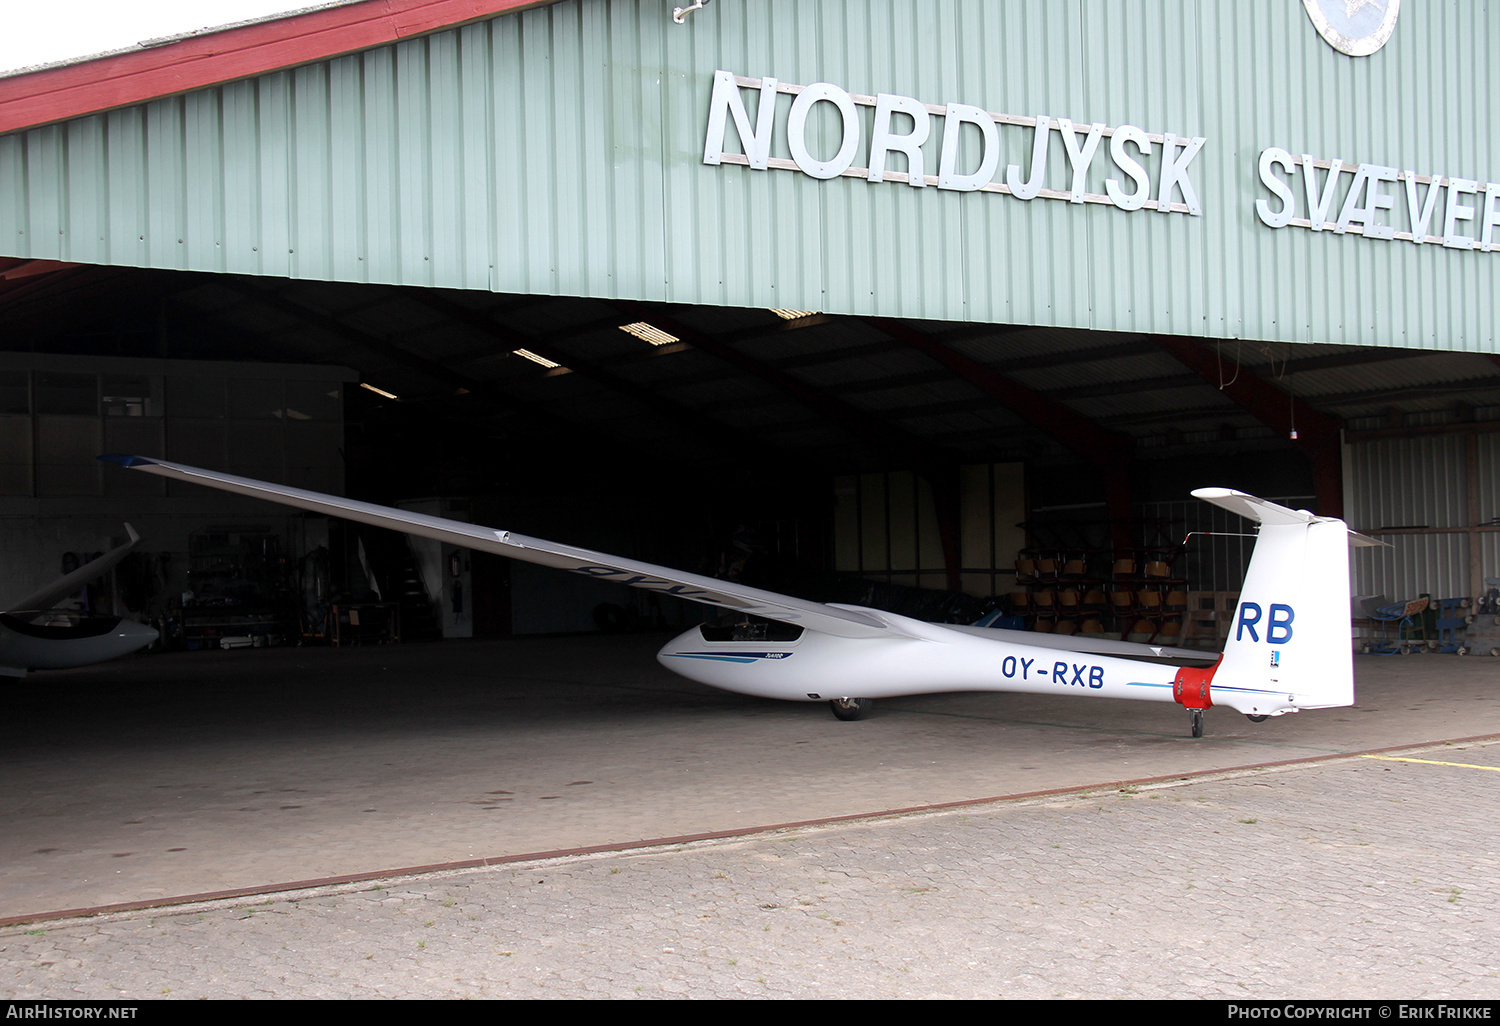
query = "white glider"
x=34 y=636
x=1289 y=646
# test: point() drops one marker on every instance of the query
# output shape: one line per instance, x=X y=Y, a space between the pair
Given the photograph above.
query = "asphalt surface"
x=160 y=778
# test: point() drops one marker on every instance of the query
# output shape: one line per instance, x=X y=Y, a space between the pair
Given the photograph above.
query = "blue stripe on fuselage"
x=731 y=657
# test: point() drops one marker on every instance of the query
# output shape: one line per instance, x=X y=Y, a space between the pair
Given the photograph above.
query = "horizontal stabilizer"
x=1264 y=511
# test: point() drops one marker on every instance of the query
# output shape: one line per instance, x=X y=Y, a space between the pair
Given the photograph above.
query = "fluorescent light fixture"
x=529 y=355
x=794 y=315
x=647 y=333
x=378 y=391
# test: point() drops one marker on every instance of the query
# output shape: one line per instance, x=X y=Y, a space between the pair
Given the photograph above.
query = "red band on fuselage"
x=1191 y=686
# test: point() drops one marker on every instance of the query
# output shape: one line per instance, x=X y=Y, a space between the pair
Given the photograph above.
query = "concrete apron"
x=164 y=776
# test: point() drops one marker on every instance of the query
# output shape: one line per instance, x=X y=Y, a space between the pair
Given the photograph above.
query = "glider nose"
x=688 y=640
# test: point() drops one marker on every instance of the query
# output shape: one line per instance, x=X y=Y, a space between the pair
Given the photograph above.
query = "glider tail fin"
x=1289 y=643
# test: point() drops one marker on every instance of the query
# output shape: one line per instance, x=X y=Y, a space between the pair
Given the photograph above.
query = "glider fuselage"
x=66 y=642
x=818 y=667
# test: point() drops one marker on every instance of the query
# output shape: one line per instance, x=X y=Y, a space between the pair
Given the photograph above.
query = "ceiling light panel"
x=529 y=355
x=649 y=333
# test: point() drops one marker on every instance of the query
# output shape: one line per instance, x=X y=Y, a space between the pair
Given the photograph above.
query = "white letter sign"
x=948 y=176
x=902 y=130
x=882 y=141
x=727 y=97
x=796 y=130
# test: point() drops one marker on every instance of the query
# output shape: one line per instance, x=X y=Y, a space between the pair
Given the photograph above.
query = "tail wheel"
x=850 y=708
x=1256 y=719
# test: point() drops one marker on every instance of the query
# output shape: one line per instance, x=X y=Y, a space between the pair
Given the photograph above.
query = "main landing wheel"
x=850 y=708
x=1197 y=722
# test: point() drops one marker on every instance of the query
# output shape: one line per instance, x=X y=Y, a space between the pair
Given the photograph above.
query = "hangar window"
x=886 y=527
x=67 y=393
x=15 y=392
x=15 y=433
x=132 y=395
x=314 y=400
x=196 y=397
x=133 y=423
x=255 y=398
x=15 y=455
x=67 y=450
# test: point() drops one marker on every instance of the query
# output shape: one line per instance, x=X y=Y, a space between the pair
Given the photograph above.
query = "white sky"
x=59 y=30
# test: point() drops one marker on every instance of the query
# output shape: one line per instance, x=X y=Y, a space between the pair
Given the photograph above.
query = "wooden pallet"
x=1209 y=616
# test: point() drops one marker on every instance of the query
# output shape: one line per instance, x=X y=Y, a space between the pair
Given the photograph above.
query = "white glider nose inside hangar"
x=946 y=316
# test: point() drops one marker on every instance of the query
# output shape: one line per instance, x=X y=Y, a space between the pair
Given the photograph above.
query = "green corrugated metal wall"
x=560 y=151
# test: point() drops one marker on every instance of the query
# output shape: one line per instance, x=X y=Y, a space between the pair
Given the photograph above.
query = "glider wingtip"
x=125 y=460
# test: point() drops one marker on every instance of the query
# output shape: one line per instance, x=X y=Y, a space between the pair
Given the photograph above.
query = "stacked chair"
x=1124 y=593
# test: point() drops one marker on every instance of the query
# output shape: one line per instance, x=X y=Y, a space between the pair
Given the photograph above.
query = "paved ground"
x=1352 y=878
x=1357 y=879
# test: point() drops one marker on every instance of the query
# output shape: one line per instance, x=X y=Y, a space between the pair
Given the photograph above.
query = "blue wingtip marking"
x=126 y=461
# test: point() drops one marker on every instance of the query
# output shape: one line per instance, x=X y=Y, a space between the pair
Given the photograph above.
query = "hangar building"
x=880 y=294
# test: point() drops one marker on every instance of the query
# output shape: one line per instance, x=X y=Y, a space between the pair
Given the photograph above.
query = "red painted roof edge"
x=213 y=58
